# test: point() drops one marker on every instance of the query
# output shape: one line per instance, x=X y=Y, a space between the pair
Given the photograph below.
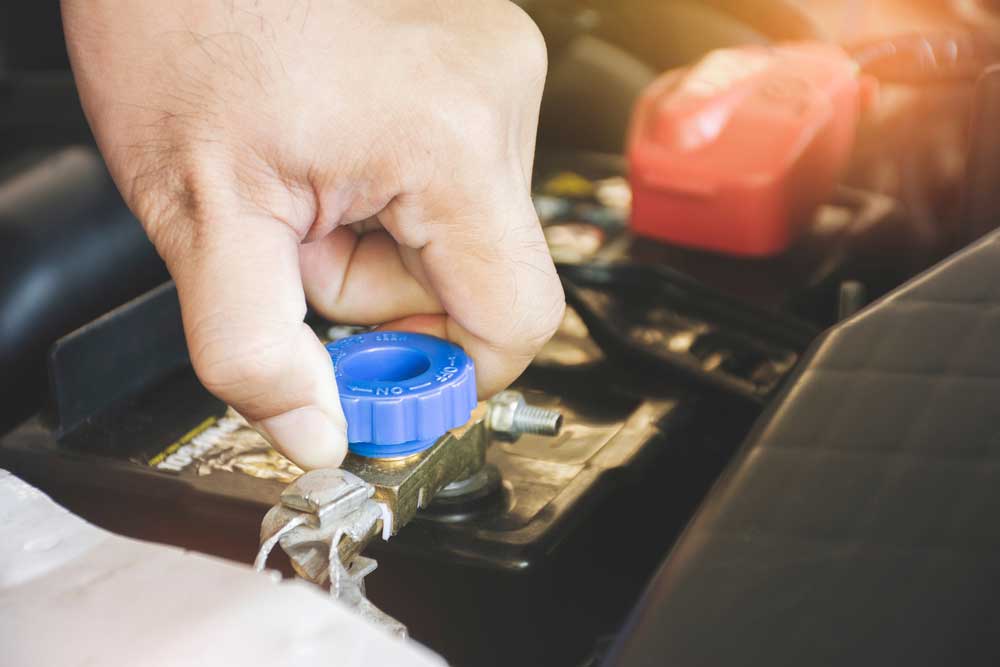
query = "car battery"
x=133 y=442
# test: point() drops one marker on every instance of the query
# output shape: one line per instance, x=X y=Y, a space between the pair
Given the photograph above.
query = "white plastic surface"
x=74 y=594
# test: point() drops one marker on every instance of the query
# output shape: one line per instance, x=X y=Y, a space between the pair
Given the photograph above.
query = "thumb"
x=243 y=308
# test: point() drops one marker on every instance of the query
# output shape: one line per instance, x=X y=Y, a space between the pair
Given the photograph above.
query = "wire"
x=925 y=57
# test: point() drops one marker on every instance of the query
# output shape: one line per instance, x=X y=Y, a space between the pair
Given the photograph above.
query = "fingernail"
x=308 y=436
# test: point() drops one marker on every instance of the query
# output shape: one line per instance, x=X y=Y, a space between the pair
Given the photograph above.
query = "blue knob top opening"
x=401 y=391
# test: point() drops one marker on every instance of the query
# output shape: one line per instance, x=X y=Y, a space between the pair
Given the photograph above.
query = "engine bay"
x=715 y=195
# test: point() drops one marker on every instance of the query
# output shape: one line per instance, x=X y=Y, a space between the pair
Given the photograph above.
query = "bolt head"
x=502 y=408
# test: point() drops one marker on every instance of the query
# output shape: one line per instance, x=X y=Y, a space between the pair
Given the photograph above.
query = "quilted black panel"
x=860 y=523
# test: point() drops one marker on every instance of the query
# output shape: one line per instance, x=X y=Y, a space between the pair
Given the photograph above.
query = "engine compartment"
x=666 y=359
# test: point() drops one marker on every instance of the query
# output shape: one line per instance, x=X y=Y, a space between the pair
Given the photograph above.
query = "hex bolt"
x=509 y=415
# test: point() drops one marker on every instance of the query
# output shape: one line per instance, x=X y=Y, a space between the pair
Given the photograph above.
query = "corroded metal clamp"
x=323 y=521
x=325 y=518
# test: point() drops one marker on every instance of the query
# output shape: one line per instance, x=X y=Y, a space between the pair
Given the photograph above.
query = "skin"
x=370 y=156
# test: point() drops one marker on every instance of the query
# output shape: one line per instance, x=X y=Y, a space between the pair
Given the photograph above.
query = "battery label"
x=226 y=443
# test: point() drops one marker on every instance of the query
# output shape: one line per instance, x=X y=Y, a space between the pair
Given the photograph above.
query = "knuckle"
x=236 y=366
x=534 y=325
x=548 y=320
x=470 y=122
x=152 y=193
x=172 y=199
x=526 y=43
x=484 y=122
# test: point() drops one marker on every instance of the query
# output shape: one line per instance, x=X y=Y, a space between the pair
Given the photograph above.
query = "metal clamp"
x=324 y=520
x=326 y=517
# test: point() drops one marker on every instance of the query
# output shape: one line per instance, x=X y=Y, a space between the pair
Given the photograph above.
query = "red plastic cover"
x=734 y=153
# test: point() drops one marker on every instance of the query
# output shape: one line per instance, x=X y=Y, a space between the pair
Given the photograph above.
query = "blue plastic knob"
x=401 y=391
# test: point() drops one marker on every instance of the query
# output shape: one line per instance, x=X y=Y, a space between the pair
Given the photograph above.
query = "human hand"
x=257 y=141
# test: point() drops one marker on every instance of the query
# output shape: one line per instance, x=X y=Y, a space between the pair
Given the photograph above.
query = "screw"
x=540 y=421
x=510 y=416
